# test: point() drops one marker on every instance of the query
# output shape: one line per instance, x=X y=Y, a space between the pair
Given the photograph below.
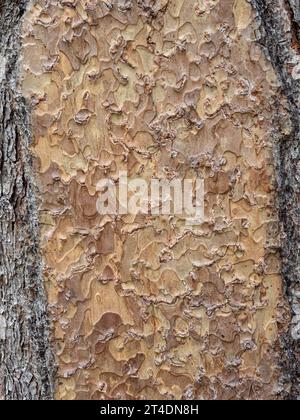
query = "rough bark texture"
x=26 y=363
x=143 y=306
x=279 y=33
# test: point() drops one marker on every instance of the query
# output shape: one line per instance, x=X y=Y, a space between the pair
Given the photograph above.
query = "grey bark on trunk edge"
x=278 y=31
x=26 y=360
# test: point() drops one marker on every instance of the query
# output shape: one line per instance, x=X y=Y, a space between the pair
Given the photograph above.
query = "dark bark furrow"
x=279 y=34
x=26 y=361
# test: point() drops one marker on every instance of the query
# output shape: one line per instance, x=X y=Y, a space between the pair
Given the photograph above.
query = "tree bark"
x=279 y=34
x=141 y=309
x=26 y=362
x=144 y=307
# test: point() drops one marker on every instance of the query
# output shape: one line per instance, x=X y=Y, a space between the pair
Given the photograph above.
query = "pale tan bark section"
x=142 y=306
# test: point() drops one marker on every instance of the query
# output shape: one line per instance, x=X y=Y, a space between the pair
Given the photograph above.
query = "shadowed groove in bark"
x=26 y=361
x=278 y=32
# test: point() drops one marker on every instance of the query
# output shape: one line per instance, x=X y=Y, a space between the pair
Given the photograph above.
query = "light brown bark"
x=144 y=307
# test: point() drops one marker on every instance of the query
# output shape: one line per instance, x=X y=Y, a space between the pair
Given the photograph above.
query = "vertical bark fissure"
x=26 y=361
x=278 y=32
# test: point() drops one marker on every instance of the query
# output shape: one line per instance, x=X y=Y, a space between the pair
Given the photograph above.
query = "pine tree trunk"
x=140 y=308
x=279 y=34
